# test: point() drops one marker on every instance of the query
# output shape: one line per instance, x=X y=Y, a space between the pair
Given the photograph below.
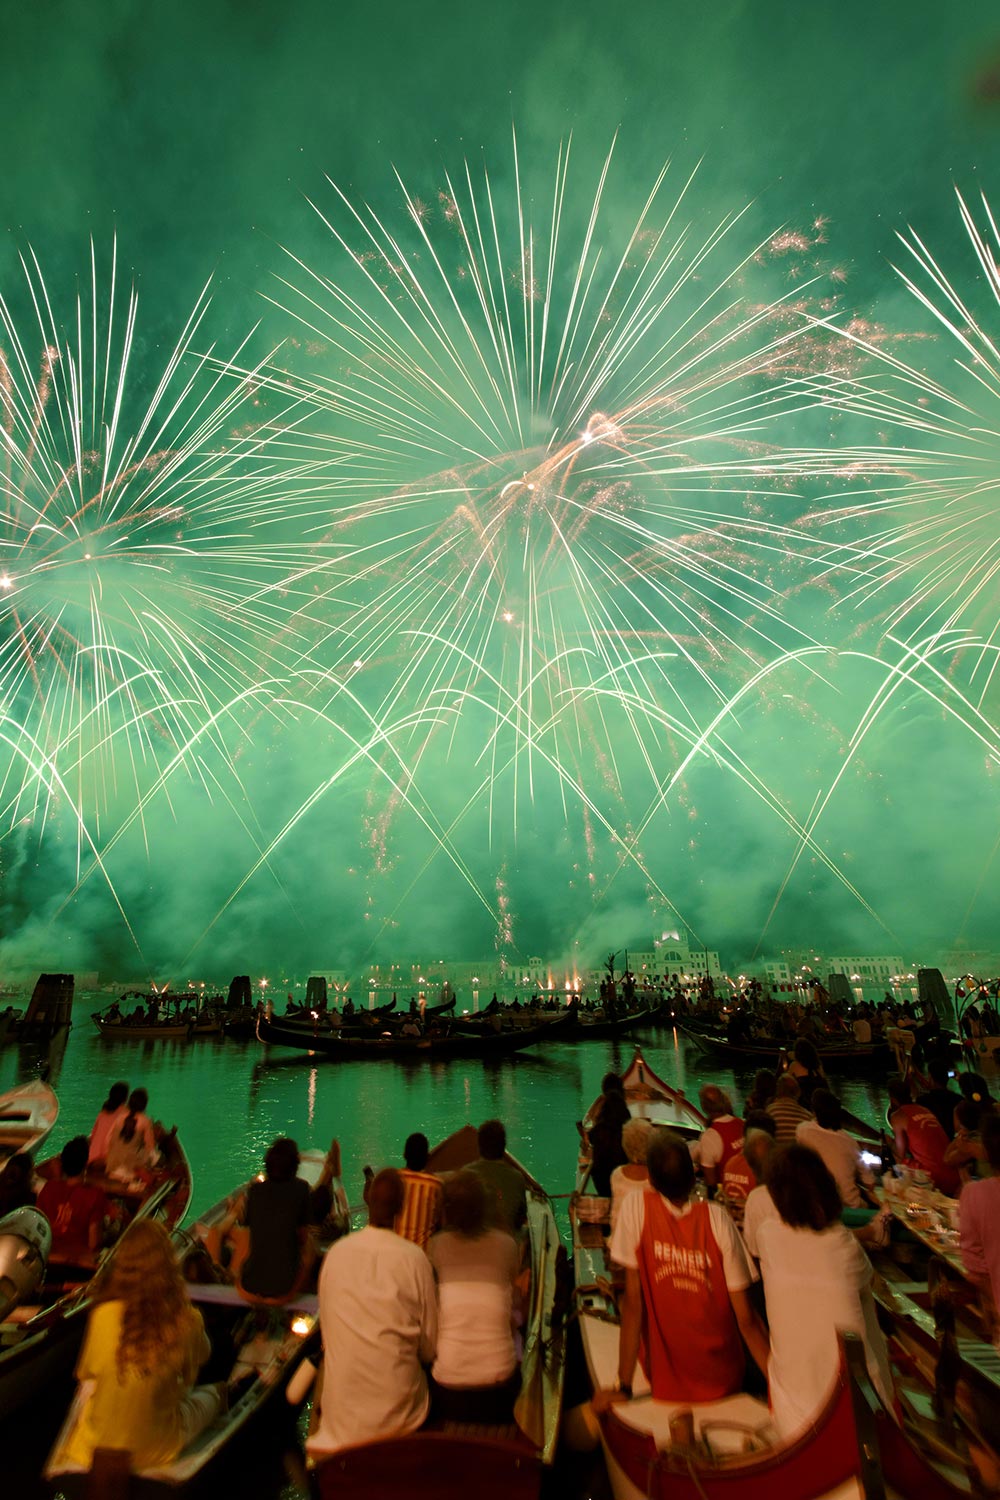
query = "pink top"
x=101 y=1133
x=979 y=1217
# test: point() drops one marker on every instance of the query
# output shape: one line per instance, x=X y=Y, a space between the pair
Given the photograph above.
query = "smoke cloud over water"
x=347 y=812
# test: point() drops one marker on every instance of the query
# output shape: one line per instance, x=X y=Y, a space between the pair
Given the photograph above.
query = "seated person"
x=634 y=1175
x=421 y=1211
x=785 y=1109
x=132 y=1150
x=920 y=1141
x=475 y=1375
x=840 y=1151
x=722 y=1138
x=277 y=1219
x=141 y=1353
x=739 y=1175
x=966 y=1153
x=113 y=1110
x=686 y=1291
x=75 y=1210
x=817 y=1283
x=605 y=1136
x=507 y=1204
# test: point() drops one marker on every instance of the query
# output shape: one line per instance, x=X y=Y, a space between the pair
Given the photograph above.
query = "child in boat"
x=141 y=1353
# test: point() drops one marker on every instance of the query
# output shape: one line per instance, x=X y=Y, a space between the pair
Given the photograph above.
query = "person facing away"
x=920 y=1142
x=839 y=1150
x=939 y=1098
x=507 y=1202
x=785 y=1109
x=110 y=1113
x=75 y=1209
x=739 y=1175
x=379 y=1319
x=420 y=1215
x=979 y=1223
x=607 y=1151
x=808 y=1069
x=475 y=1376
x=723 y=1137
x=277 y=1218
x=142 y=1350
x=686 y=1284
x=634 y=1175
x=132 y=1146
x=817 y=1282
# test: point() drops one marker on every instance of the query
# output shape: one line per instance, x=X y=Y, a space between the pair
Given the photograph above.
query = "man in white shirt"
x=378 y=1315
x=839 y=1150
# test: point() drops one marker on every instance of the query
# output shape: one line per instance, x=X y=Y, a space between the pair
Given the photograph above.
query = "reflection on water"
x=230 y=1099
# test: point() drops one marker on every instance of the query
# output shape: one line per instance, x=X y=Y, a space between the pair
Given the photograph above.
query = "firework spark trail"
x=132 y=574
x=921 y=539
x=521 y=433
x=897 y=676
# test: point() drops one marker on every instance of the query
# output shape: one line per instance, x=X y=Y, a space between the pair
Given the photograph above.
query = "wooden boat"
x=402 y=1048
x=265 y=1355
x=27 y=1115
x=39 y=1343
x=648 y=1097
x=602 y=1029
x=767 y=1053
x=158 y=1031
x=445 y=1462
x=49 y=1011
x=727 y=1449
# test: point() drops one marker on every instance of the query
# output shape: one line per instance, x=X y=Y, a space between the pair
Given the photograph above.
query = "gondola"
x=265 y=1355
x=766 y=1053
x=728 y=1450
x=447 y=1461
x=39 y=1343
x=156 y=1031
x=605 y=1029
x=402 y=1048
x=27 y=1115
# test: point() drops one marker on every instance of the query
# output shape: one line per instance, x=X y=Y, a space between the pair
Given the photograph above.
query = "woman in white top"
x=475 y=1375
x=633 y=1176
x=817 y=1283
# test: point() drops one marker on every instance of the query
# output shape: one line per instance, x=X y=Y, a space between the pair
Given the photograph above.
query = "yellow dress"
x=141 y=1413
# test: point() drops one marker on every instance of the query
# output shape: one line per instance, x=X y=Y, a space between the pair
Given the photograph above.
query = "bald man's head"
x=385 y=1198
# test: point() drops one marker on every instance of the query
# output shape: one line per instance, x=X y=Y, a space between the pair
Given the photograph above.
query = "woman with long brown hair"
x=142 y=1351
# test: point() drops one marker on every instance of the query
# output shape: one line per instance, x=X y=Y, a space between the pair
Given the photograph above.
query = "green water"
x=229 y=1100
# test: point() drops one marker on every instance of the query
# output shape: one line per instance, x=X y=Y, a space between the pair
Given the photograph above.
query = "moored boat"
x=39 y=1342
x=769 y=1053
x=124 y=1030
x=444 y=1461
x=259 y=1356
x=416 y=1049
x=27 y=1115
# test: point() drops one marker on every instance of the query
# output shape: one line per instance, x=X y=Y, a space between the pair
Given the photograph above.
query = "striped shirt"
x=420 y=1214
x=787 y=1115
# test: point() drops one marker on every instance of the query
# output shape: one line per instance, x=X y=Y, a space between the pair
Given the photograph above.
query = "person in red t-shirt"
x=686 y=1289
x=740 y=1175
x=74 y=1209
x=724 y=1137
x=920 y=1141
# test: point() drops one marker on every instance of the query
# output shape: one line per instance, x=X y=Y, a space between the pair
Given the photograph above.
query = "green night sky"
x=498 y=608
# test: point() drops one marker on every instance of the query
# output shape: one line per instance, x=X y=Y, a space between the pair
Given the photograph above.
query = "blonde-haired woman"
x=143 y=1348
x=633 y=1177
